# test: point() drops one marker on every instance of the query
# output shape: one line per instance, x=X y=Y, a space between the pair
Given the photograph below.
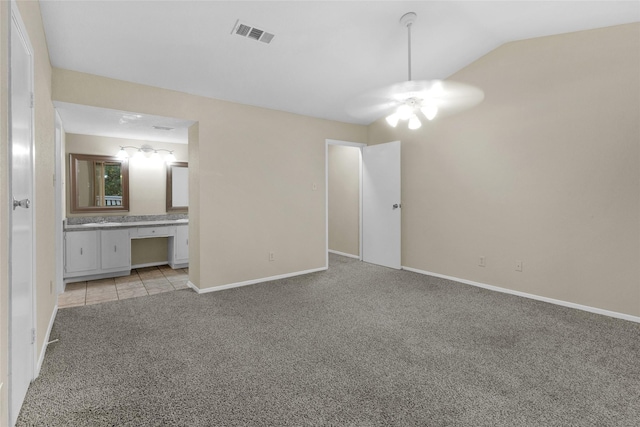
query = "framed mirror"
x=178 y=187
x=98 y=183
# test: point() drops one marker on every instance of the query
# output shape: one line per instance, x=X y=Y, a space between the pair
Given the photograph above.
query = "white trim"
x=59 y=197
x=531 y=296
x=344 y=254
x=360 y=146
x=46 y=341
x=253 y=282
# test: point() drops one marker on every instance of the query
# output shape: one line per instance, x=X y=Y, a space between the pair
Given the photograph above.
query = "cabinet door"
x=81 y=251
x=182 y=242
x=115 y=247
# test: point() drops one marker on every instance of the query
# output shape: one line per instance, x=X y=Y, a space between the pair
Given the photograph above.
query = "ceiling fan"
x=407 y=101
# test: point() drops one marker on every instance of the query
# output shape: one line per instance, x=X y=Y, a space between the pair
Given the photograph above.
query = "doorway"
x=21 y=218
x=344 y=198
x=371 y=176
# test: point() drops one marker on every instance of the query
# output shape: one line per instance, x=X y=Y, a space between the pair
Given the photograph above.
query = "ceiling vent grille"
x=251 y=32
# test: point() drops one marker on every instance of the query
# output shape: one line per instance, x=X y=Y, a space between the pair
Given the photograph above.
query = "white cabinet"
x=179 y=248
x=102 y=253
x=81 y=252
x=96 y=254
x=115 y=249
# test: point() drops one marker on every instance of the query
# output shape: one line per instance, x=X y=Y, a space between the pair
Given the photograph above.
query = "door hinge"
x=33 y=335
x=31 y=101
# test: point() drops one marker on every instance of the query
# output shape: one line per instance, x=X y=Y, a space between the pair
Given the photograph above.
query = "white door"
x=381 y=204
x=21 y=341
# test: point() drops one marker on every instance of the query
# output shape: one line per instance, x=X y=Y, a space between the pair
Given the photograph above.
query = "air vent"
x=251 y=32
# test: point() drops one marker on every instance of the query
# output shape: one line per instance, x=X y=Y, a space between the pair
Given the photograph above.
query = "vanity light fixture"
x=169 y=158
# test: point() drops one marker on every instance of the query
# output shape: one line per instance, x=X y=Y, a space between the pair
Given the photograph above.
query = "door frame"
x=16 y=18
x=360 y=146
x=58 y=155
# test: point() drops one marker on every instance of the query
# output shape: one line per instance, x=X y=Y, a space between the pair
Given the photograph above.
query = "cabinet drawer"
x=153 y=231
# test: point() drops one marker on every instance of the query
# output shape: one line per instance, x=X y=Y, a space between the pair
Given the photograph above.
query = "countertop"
x=127 y=224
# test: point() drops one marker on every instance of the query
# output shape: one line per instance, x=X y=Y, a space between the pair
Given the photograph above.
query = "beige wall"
x=251 y=187
x=546 y=170
x=44 y=190
x=344 y=198
x=147 y=180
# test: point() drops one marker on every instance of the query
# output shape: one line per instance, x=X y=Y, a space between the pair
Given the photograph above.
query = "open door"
x=381 y=218
x=21 y=332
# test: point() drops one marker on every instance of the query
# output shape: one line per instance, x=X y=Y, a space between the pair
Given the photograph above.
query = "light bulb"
x=414 y=122
x=393 y=119
x=155 y=156
x=404 y=112
x=429 y=111
x=122 y=154
x=170 y=158
x=139 y=154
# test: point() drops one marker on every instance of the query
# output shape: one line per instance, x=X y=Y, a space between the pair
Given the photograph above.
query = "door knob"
x=24 y=203
x=397 y=205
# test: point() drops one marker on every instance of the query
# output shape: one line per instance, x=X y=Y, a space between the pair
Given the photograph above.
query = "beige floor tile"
x=68 y=298
x=159 y=290
x=100 y=300
x=156 y=281
x=178 y=278
x=75 y=286
x=101 y=286
x=129 y=286
x=70 y=304
x=171 y=272
x=127 y=279
x=132 y=293
x=181 y=284
x=108 y=281
x=112 y=293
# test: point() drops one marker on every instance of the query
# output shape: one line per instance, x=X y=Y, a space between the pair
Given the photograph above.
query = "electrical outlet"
x=482 y=262
x=518 y=265
x=272 y=256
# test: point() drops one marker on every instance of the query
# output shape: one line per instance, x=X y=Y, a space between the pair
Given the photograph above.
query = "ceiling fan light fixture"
x=429 y=111
x=414 y=122
x=404 y=112
x=406 y=100
x=393 y=119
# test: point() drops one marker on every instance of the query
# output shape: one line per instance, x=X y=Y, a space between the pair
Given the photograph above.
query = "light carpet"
x=357 y=345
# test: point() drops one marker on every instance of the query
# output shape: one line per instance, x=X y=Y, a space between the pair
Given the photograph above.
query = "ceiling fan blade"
x=450 y=97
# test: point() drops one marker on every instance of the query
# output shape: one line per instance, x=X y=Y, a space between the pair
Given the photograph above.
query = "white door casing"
x=381 y=205
x=21 y=207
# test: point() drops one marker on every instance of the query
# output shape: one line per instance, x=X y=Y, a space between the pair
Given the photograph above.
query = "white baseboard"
x=46 y=340
x=344 y=254
x=252 y=282
x=531 y=296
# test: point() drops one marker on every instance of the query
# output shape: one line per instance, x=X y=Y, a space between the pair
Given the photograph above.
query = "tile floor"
x=141 y=282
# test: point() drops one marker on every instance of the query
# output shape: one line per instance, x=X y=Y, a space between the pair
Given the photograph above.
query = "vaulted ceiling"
x=323 y=53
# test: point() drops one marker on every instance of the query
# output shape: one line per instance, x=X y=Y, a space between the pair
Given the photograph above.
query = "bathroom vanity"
x=96 y=250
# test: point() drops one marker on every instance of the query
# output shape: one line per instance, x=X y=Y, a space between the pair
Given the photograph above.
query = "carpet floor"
x=357 y=345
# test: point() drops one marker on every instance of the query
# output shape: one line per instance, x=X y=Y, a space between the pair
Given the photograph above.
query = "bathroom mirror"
x=98 y=183
x=177 y=187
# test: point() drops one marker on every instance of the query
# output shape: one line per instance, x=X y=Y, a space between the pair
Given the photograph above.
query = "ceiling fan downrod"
x=407 y=20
